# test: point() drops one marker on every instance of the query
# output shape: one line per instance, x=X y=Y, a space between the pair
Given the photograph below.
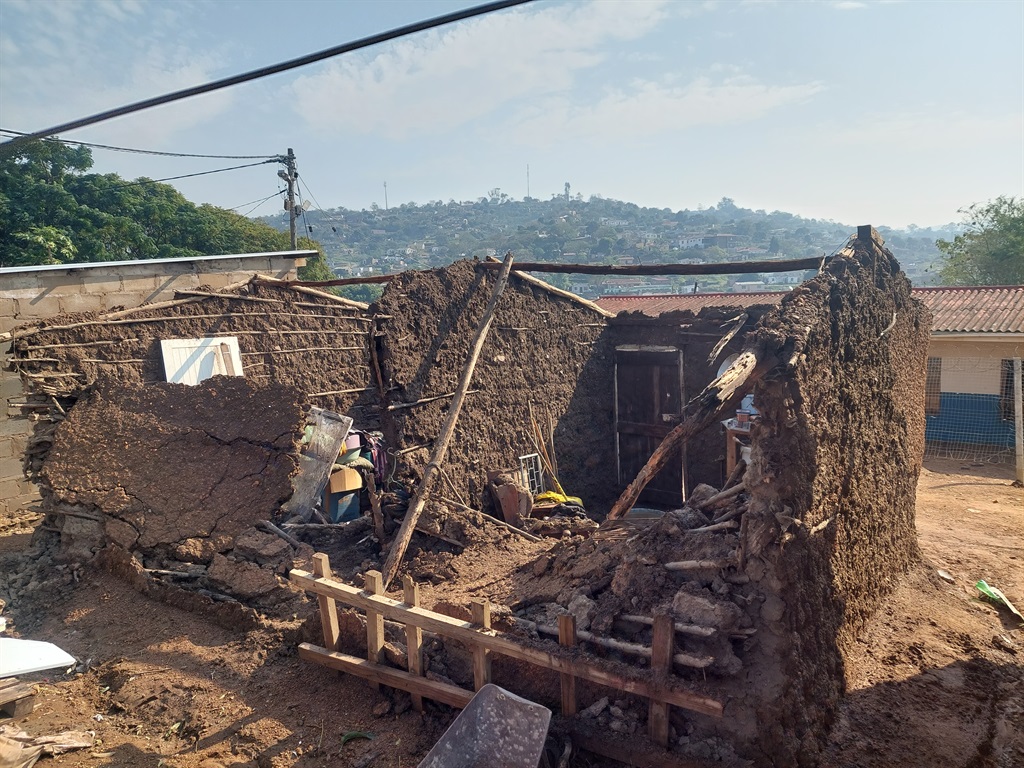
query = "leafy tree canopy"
x=53 y=212
x=991 y=250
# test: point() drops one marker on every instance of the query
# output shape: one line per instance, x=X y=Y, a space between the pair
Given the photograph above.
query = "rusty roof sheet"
x=695 y=302
x=975 y=309
x=967 y=309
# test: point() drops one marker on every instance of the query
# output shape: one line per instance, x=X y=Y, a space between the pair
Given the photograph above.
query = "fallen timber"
x=475 y=636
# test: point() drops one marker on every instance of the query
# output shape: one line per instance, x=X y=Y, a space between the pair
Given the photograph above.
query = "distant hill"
x=598 y=230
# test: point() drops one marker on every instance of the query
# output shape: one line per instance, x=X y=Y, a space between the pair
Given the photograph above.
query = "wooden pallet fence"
x=484 y=642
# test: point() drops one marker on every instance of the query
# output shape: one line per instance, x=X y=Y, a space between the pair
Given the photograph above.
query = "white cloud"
x=124 y=51
x=848 y=5
x=651 y=108
x=437 y=81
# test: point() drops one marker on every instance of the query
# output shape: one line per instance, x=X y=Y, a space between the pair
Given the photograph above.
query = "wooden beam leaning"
x=401 y=542
x=721 y=268
x=328 y=608
x=413 y=637
x=481 y=656
x=567 y=639
x=465 y=632
x=718 y=397
x=374 y=621
x=378 y=674
x=662 y=646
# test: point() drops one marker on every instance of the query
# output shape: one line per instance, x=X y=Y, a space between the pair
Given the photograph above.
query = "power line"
x=261 y=202
x=256 y=74
x=258 y=202
x=189 y=175
x=144 y=151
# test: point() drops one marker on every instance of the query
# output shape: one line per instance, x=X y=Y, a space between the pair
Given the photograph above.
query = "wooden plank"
x=374 y=584
x=413 y=637
x=17 y=699
x=663 y=648
x=440 y=448
x=481 y=656
x=557 y=660
x=567 y=639
x=378 y=674
x=328 y=607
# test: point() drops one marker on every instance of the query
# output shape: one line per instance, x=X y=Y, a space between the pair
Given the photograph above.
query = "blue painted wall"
x=969 y=418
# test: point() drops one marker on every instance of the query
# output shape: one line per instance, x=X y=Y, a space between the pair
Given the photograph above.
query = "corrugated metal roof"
x=967 y=309
x=975 y=309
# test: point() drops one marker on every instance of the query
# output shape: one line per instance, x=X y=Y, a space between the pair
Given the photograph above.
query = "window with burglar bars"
x=970 y=408
x=533 y=473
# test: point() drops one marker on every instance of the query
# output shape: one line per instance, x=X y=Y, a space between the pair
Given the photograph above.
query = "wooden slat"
x=662 y=647
x=378 y=674
x=413 y=637
x=567 y=639
x=328 y=608
x=481 y=656
x=464 y=631
x=374 y=584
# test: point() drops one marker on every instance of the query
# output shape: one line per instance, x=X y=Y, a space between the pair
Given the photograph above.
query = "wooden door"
x=648 y=401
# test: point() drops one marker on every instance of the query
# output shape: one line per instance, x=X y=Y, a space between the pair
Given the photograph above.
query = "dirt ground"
x=936 y=679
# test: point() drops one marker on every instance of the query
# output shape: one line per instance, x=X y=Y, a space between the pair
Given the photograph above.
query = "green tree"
x=316 y=266
x=53 y=212
x=991 y=249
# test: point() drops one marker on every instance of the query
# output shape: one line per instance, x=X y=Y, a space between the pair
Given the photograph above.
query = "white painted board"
x=190 y=361
x=20 y=657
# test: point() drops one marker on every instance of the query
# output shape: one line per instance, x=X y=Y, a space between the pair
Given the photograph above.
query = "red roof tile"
x=967 y=309
x=656 y=305
x=975 y=309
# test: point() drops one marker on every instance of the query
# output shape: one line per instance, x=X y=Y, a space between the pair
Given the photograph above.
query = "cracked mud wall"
x=541 y=349
x=836 y=457
x=177 y=476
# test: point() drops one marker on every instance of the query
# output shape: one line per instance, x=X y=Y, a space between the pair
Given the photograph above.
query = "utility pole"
x=385 y=195
x=527 y=179
x=290 y=175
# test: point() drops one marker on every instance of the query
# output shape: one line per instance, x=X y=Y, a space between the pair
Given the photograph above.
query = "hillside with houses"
x=570 y=229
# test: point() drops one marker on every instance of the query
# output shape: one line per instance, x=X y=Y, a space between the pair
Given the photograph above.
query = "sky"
x=888 y=113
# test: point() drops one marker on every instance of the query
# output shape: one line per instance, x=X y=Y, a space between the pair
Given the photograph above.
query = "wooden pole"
x=481 y=656
x=718 y=397
x=720 y=268
x=374 y=622
x=413 y=637
x=567 y=638
x=328 y=608
x=397 y=551
x=662 y=647
x=1018 y=418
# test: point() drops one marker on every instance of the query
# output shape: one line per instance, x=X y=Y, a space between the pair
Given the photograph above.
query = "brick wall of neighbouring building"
x=30 y=294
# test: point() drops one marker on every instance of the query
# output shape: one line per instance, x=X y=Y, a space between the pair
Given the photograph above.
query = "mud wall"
x=836 y=456
x=34 y=294
x=310 y=342
x=542 y=349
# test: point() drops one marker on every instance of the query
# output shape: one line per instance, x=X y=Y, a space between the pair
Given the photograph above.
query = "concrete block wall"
x=38 y=293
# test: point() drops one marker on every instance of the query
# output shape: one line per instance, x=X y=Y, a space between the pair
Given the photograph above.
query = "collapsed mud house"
x=765 y=584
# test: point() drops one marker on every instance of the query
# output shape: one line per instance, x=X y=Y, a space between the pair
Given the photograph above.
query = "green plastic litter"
x=996 y=596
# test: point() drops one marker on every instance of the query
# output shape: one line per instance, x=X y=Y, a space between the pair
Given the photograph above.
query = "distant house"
x=719 y=240
x=977 y=332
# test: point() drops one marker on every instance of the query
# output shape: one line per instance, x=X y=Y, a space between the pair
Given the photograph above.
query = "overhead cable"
x=144 y=151
x=256 y=74
x=188 y=175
